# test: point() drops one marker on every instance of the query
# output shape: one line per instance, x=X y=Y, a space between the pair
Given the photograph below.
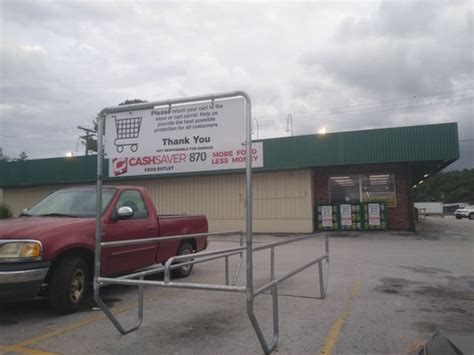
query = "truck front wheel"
x=68 y=285
x=186 y=270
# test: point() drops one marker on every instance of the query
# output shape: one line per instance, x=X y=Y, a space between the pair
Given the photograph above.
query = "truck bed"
x=194 y=224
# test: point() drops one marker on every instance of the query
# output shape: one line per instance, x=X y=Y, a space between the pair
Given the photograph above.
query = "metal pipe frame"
x=164 y=239
x=230 y=286
x=289 y=274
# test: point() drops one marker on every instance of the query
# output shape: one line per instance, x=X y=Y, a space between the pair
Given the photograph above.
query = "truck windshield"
x=71 y=203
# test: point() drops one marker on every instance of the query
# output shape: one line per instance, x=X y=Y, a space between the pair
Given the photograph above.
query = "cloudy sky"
x=339 y=65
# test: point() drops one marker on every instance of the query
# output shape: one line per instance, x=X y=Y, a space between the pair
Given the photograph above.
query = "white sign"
x=374 y=214
x=326 y=216
x=184 y=138
x=346 y=215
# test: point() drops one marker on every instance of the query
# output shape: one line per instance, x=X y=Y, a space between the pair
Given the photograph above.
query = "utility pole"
x=289 y=120
x=89 y=133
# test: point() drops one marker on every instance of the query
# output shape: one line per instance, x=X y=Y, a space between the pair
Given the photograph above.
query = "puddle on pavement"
x=428 y=310
x=7 y=322
x=109 y=302
x=445 y=293
x=466 y=282
x=214 y=323
x=395 y=286
x=448 y=306
x=425 y=327
x=426 y=270
x=455 y=309
x=428 y=236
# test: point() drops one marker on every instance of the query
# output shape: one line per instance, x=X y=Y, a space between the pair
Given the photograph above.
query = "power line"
x=354 y=113
x=34 y=139
x=375 y=103
x=383 y=109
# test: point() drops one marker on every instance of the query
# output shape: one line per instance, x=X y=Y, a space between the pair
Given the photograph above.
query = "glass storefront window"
x=363 y=188
x=379 y=188
x=344 y=188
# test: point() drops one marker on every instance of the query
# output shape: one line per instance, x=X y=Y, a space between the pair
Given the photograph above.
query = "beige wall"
x=21 y=198
x=18 y=199
x=282 y=200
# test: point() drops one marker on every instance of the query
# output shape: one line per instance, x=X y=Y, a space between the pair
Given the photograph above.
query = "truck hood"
x=43 y=227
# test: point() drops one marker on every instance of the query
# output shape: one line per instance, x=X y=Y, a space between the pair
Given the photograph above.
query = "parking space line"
x=331 y=339
x=22 y=350
x=20 y=347
x=415 y=346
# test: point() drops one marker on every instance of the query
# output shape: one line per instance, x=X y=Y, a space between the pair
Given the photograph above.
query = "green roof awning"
x=426 y=148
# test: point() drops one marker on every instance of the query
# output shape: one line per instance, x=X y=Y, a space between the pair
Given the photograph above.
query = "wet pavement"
x=388 y=292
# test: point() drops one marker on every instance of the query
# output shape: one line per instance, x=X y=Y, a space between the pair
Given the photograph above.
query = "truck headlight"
x=11 y=251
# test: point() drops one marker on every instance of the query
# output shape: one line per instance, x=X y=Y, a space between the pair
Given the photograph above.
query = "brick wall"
x=399 y=217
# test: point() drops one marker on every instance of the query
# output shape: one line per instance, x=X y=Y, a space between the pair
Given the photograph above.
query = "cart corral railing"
x=137 y=278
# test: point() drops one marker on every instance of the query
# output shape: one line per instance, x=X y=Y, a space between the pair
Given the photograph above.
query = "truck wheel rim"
x=77 y=285
x=186 y=267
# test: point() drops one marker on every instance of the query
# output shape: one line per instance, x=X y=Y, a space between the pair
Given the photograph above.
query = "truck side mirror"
x=123 y=212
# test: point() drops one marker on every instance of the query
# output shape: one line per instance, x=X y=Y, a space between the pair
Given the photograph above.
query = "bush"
x=5 y=211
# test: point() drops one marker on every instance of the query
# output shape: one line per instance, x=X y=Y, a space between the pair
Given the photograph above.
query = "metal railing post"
x=249 y=237
x=141 y=290
x=226 y=270
x=248 y=201
x=326 y=246
x=98 y=212
x=321 y=280
x=272 y=263
x=239 y=266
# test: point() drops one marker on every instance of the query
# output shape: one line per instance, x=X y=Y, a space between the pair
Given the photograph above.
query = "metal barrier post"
x=321 y=280
x=272 y=263
x=226 y=270
x=268 y=348
x=237 y=270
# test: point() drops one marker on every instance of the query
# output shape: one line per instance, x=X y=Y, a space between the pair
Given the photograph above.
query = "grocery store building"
x=299 y=174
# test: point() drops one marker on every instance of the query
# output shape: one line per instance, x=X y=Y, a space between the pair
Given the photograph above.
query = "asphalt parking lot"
x=388 y=291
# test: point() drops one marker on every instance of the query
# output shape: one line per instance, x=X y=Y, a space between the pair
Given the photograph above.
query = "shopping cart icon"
x=128 y=130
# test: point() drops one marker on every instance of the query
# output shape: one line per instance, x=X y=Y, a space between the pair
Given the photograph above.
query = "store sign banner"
x=374 y=214
x=326 y=216
x=194 y=137
x=346 y=215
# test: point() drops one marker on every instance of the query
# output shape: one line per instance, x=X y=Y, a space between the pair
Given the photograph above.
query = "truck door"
x=123 y=259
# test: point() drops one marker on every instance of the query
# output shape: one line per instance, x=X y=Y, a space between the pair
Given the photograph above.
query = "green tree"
x=2 y=156
x=23 y=156
x=450 y=187
x=5 y=211
x=90 y=141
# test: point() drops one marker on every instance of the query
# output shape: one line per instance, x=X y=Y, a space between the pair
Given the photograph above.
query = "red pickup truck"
x=49 y=250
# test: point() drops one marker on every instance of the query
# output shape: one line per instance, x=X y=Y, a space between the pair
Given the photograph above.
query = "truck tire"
x=471 y=216
x=184 y=271
x=68 y=285
x=458 y=216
